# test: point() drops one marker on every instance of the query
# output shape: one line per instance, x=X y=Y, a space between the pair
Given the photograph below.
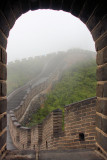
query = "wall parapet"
x=34 y=90
x=80 y=122
x=35 y=137
x=81 y=103
x=79 y=129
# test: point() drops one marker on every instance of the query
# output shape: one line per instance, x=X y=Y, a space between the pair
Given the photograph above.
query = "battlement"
x=79 y=129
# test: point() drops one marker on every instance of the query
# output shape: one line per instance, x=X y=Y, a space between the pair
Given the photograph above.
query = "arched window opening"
x=32 y=91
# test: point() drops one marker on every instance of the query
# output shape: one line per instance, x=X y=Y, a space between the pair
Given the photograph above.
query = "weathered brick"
x=102 y=106
x=3 y=138
x=100 y=29
x=101 y=43
x=102 y=57
x=3 y=40
x=101 y=123
x=25 y=6
x=3 y=89
x=99 y=12
x=8 y=14
x=87 y=11
x=4 y=25
x=3 y=56
x=92 y=142
x=101 y=140
x=101 y=90
x=3 y=105
x=76 y=7
x=16 y=8
x=3 y=122
x=93 y=100
x=91 y=134
x=3 y=72
x=102 y=73
x=92 y=146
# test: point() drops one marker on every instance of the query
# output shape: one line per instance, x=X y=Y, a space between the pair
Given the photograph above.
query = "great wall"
x=94 y=15
x=79 y=129
x=79 y=123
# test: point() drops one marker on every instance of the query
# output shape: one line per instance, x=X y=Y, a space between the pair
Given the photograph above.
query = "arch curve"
x=94 y=15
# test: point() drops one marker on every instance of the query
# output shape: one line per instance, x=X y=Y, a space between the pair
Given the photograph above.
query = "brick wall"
x=79 y=129
x=51 y=129
x=22 y=135
x=39 y=137
x=80 y=124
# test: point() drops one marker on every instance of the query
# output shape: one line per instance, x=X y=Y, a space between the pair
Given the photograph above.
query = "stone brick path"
x=79 y=154
x=13 y=101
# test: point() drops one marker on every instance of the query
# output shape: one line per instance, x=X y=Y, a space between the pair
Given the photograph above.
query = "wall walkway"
x=21 y=98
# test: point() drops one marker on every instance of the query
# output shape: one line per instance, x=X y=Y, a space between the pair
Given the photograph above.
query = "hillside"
x=76 y=83
x=21 y=72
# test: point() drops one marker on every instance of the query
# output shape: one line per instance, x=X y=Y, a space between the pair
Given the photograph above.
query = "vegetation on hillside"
x=76 y=84
x=22 y=71
x=78 y=79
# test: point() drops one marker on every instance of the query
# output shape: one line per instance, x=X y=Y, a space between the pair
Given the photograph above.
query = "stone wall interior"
x=94 y=15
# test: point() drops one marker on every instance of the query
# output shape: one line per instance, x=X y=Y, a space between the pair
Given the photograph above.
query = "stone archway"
x=94 y=15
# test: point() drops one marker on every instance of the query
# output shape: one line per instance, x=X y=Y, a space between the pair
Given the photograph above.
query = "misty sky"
x=46 y=31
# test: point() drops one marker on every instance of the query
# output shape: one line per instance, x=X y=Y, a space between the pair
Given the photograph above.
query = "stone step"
x=21 y=155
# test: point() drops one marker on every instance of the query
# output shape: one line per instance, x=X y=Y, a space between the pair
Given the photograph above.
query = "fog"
x=45 y=31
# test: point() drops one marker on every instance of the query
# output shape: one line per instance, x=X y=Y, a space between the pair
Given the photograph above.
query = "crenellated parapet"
x=32 y=92
x=79 y=129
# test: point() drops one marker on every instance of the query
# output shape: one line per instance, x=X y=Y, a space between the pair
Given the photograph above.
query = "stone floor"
x=21 y=155
x=81 y=154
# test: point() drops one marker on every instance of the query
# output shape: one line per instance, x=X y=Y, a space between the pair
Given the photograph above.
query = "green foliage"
x=76 y=84
x=20 y=72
